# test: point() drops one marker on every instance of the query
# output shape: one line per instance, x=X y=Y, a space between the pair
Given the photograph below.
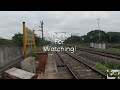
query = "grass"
x=109 y=48
x=112 y=50
x=103 y=67
x=112 y=65
x=32 y=54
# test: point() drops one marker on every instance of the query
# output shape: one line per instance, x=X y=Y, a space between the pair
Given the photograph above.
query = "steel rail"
x=67 y=66
x=88 y=66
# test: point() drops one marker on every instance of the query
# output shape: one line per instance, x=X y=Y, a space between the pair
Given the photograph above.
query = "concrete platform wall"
x=10 y=53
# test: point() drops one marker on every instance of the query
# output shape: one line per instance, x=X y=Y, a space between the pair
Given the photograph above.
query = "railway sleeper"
x=77 y=67
x=90 y=76
x=84 y=72
x=60 y=65
x=78 y=70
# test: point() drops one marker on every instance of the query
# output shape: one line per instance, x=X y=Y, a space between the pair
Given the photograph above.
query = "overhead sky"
x=80 y=22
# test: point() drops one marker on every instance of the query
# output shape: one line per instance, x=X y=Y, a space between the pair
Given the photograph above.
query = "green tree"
x=113 y=37
x=93 y=36
x=73 y=39
x=5 y=42
x=18 y=39
x=84 y=39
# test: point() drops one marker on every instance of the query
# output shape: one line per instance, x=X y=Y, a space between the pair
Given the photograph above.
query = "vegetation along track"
x=101 y=53
x=106 y=54
x=79 y=69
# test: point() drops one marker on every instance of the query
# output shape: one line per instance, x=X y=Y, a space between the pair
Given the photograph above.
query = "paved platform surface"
x=50 y=64
x=51 y=71
x=54 y=75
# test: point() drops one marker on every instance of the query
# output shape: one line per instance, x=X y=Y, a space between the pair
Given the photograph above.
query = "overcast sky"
x=58 y=21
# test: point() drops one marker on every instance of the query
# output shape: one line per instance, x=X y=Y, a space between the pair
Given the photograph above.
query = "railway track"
x=101 y=53
x=79 y=69
x=106 y=54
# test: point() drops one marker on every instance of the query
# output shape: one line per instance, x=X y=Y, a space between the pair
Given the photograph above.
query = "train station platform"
x=51 y=71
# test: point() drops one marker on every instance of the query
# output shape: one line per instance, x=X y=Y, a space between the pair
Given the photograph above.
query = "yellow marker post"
x=24 y=40
x=28 y=39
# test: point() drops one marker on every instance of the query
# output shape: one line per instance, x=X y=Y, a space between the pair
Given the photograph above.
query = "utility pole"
x=110 y=36
x=41 y=22
x=99 y=29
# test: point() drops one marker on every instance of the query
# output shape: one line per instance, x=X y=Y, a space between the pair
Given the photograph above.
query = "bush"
x=32 y=54
x=101 y=67
x=113 y=45
x=116 y=46
x=113 y=65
